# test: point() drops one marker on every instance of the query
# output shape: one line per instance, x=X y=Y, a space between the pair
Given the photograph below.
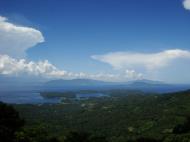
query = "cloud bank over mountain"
x=18 y=67
x=166 y=65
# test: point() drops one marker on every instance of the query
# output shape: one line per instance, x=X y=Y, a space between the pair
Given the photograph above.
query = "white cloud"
x=15 y=40
x=133 y=75
x=11 y=66
x=147 y=61
x=186 y=4
x=19 y=67
x=124 y=76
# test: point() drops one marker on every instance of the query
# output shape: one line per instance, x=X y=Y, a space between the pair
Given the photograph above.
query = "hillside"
x=119 y=118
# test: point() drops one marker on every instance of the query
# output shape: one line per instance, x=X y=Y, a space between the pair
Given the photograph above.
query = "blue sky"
x=76 y=30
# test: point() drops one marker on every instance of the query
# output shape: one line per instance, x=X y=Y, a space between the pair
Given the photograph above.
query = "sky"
x=110 y=40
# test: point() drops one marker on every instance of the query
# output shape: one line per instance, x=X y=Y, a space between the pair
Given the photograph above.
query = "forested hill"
x=119 y=118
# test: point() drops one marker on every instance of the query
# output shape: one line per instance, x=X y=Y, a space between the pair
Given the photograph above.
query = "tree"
x=77 y=137
x=83 y=137
x=37 y=133
x=10 y=122
x=182 y=128
x=147 y=140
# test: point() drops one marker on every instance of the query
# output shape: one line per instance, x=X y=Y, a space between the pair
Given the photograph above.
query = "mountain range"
x=88 y=84
x=28 y=84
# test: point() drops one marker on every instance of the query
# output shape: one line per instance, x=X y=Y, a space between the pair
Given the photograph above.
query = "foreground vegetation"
x=122 y=117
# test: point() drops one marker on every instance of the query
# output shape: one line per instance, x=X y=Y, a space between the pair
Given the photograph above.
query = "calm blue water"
x=36 y=98
x=25 y=98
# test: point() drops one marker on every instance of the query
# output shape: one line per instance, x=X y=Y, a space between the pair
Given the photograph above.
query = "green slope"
x=119 y=117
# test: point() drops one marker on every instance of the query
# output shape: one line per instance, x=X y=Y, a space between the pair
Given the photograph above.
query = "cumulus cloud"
x=147 y=61
x=15 y=39
x=11 y=66
x=19 y=67
x=186 y=4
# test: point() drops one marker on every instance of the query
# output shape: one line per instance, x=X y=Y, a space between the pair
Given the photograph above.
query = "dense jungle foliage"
x=122 y=117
